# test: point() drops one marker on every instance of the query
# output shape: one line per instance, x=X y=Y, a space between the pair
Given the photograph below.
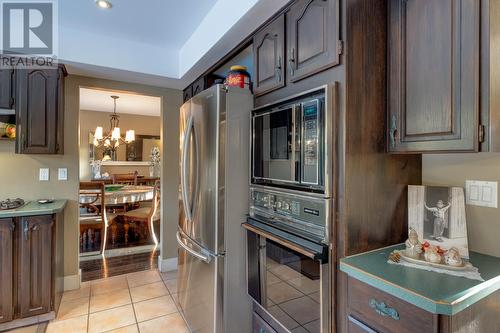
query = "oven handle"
x=279 y=240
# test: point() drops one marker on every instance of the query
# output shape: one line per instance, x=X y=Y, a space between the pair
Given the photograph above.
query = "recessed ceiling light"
x=103 y=4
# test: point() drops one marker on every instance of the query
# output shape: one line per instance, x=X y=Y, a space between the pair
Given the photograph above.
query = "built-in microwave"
x=292 y=142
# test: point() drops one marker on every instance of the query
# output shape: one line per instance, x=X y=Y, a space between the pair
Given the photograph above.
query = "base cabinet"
x=6 y=273
x=34 y=294
x=29 y=269
x=371 y=310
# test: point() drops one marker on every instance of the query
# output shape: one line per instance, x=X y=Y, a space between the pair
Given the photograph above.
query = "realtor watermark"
x=28 y=33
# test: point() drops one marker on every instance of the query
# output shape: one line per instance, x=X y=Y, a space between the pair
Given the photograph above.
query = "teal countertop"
x=431 y=291
x=34 y=208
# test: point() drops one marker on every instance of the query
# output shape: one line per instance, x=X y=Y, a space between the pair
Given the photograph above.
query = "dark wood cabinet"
x=35 y=265
x=371 y=310
x=32 y=271
x=7 y=227
x=313 y=28
x=198 y=86
x=6 y=88
x=269 y=57
x=433 y=90
x=40 y=111
x=187 y=93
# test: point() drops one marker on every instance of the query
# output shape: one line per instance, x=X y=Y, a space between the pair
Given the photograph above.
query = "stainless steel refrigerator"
x=213 y=202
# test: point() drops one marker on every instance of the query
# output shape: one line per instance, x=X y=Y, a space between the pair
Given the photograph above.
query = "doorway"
x=120 y=158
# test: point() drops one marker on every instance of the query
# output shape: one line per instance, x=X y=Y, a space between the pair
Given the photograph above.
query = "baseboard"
x=72 y=282
x=166 y=265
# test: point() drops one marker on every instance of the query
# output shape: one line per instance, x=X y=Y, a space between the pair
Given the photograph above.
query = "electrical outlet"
x=481 y=193
x=44 y=174
x=62 y=174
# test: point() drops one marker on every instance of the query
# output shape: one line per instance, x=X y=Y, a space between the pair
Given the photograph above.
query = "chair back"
x=92 y=199
x=127 y=178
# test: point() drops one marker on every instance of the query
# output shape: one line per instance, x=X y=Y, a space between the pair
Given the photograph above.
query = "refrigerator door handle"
x=184 y=185
x=207 y=258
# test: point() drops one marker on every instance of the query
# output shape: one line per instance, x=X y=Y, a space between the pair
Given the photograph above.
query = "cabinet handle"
x=383 y=310
x=278 y=69
x=291 y=62
x=12 y=226
x=393 y=131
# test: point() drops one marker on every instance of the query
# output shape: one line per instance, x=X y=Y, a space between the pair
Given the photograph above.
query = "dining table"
x=119 y=194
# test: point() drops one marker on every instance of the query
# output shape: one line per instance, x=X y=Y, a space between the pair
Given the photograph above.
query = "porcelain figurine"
x=413 y=245
x=432 y=254
x=453 y=257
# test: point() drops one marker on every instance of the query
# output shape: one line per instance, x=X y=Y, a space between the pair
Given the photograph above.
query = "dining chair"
x=126 y=178
x=146 y=214
x=93 y=214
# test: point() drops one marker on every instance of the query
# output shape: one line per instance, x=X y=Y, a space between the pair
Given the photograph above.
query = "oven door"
x=276 y=146
x=289 y=279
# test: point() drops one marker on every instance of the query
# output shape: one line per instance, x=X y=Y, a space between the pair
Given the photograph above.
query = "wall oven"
x=288 y=271
x=292 y=142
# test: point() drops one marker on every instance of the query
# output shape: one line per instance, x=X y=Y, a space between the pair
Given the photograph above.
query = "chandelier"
x=113 y=139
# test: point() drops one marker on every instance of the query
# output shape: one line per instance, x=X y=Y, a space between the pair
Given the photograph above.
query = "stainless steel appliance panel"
x=199 y=149
x=293 y=144
x=289 y=279
x=199 y=286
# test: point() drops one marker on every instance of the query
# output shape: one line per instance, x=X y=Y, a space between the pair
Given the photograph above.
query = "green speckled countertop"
x=33 y=208
x=431 y=291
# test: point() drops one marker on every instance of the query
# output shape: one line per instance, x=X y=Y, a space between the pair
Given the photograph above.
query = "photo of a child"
x=437 y=214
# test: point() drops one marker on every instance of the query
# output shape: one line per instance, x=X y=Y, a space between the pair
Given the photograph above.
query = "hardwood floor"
x=107 y=267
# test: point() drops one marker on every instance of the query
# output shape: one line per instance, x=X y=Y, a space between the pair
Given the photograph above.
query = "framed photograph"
x=437 y=214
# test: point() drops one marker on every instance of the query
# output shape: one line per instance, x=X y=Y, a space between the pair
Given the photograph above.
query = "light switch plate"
x=481 y=193
x=62 y=173
x=44 y=174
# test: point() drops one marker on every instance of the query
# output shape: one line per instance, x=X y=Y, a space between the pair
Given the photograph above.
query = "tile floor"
x=137 y=302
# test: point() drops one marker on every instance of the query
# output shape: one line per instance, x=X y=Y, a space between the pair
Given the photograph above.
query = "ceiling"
x=164 y=43
x=101 y=101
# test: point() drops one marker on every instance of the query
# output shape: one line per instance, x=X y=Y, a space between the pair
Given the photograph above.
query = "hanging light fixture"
x=113 y=139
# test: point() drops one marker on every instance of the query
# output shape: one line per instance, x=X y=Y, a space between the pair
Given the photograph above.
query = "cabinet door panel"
x=6 y=89
x=39 y=111
x=35 y=265
x=356 y=326
x=433 y=75
x=199 y=86
x=269 y=55
x=313 y=37
x=187 y=93
x=6 y=273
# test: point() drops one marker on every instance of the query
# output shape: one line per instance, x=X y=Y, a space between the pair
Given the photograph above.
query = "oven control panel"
x=291 y=211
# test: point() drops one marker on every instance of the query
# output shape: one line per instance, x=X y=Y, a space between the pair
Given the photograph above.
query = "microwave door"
x=273 y=146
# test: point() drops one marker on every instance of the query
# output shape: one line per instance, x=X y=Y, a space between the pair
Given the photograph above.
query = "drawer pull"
x=382 y=309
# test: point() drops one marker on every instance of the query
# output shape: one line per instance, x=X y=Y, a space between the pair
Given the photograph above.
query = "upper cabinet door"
x=34 y=295
x=313 y=37
x=6 y=89
x=433 y=75
x=39 y=113
x=6 y=273
x=269 y=57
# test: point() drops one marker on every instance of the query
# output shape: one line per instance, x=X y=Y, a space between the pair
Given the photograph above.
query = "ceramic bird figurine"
x=413 y=245
x=453 y=257
x=432 y=254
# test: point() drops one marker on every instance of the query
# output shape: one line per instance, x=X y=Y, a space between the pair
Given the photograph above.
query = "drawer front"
x=260 y=325
x=385 y=313
x=356 y=326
